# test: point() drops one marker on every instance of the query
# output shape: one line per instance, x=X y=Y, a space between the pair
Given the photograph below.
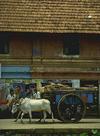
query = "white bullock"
x=32 y=105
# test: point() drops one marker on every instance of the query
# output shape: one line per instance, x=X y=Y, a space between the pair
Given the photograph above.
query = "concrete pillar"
x=99 y=97
x=0 y=70
x=76 y=83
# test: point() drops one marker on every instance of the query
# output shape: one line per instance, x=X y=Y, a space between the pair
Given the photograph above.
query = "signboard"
x=15 y=69
x=16 y=72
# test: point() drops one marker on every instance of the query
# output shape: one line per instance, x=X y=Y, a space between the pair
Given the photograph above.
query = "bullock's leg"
x=18 y=116
x=30 y=116
x=41 y=115
x=22 y=117
x=51 y=113
x=45 y=115
x=52 y=117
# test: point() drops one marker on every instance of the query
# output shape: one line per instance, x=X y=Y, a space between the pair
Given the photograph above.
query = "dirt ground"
x=9 y=124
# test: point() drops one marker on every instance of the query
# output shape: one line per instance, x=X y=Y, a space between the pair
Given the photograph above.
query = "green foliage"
x=84 y=134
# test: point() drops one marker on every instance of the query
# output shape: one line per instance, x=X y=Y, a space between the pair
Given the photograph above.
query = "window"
x=71 y=45
x=4 y=44
x=4 y=48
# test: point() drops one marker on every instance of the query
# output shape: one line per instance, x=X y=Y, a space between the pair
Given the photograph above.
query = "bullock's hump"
x=46 y=101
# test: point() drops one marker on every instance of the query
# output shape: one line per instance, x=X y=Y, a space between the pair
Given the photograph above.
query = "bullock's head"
x=16 y=105
x=15 y=108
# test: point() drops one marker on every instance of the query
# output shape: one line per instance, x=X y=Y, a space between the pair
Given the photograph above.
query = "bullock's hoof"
x=30 y=122
x=39 y=120
x=15 y=120
x=44 y=121
x=22 y=122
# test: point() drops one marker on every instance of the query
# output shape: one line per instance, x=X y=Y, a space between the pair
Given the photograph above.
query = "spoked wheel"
x=71 y=108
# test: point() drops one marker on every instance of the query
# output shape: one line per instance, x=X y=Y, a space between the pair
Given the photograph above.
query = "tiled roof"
x=59 y=16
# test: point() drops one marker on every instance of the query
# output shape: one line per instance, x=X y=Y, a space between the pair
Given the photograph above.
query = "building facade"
x=50 y=40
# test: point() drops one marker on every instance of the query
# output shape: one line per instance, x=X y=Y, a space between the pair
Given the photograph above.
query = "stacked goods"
x=57 y=87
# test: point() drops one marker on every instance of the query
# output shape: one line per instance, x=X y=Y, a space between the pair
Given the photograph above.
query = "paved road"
x=9 y=124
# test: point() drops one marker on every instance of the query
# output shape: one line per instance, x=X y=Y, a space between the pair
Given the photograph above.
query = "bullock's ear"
x=21 y=99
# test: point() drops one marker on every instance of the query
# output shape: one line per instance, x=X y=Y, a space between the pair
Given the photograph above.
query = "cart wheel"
x=71 y=108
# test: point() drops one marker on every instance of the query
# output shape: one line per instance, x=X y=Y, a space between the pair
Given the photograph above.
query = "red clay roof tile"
x=58 y=16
